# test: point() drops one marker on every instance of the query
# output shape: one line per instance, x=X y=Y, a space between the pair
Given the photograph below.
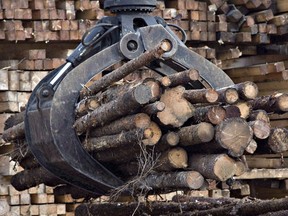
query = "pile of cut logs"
x=162 y=131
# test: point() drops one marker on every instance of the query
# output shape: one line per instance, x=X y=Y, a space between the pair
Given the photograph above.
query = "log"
x=261 y=129
x=233 y=134
x=175 y=158
x=136 y=121
x=123 y=139
x=129 y=103
x=196 y=134
x=277 y=103
x=147 y=136
x=177 y=109
x=127 y=68
x=213 y=166
x=232 y=111
x=168 y=140
x=201 y=95
x=153 y=108
x=264 y=174
x=240 y=168
x=180 y=78
x=245 y=109
x=278 y=140
x=252 y=147
x=31 y=178
x=211 y=114
x=175 y=180
x=15 y=132
x=247 y=90
x=86 y=105
x=228 y=95
x=259 y=115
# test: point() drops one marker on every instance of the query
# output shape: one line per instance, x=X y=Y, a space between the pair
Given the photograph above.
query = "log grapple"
x=131 y=36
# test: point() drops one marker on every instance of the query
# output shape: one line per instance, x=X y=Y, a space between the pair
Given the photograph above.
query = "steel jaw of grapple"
x=50 y=113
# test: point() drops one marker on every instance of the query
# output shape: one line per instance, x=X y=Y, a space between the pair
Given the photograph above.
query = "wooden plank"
x=264 y=174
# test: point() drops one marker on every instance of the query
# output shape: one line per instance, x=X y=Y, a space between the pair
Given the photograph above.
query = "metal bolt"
x=45 y=93
x=132 y=45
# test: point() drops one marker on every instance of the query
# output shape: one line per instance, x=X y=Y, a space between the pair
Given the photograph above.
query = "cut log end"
x=194 y=180
x=205 y=132
x=231 y=96
x=178 y=158
x=152 y=134
x=234 y=134
x=250 y=90
x=283 y=102
x=224 y=167
x=216 y=115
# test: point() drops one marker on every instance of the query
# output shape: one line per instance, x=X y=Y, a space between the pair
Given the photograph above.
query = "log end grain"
x=178 y=158
x=231 y=96
x=234 y=134
x=194 y=180
x=152 y=134
x=205 y=132
x=224 y=167
x=178 y=110
x=216 y=115
x=283 y=102
x=249 y=90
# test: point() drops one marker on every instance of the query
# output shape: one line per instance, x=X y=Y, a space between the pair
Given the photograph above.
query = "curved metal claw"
x=50 y=116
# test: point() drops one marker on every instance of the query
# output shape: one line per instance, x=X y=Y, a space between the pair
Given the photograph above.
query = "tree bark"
x=180 y=78
x=259 y=115
x=15 y=132
x=86 y=105
x=129 y=103
x=121 y=140
x=131 y=122
x=177 y=109
x=228 y=95
x=196 y=134
x=201 y=95
x=31 y=178
x=175 y=180
x=232 y=111
x=278 y=140
x=168 y=140
x=153 y=108
x=277 y=103
x=210 y=114
x=213 y=166
x=234 y=134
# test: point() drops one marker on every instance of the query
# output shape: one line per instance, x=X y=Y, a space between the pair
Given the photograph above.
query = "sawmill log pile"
x=188 y=136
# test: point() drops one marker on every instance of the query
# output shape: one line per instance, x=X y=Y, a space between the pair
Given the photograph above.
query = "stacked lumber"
x=39 y=200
